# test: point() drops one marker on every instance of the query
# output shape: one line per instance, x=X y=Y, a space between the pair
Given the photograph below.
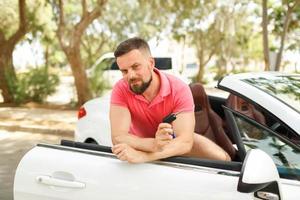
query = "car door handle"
x=267 y=195
x=48 y=180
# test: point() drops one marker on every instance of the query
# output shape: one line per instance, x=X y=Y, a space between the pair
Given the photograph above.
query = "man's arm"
x=183 y=127
x=201 y=146
x=186 y=143
x=120 y=121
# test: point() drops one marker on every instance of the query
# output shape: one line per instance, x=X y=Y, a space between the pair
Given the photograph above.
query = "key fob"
x=169 y=119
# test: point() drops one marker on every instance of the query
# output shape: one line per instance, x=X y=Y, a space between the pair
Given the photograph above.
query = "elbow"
x=116 y=140
x=187 y=147
x=227 y=157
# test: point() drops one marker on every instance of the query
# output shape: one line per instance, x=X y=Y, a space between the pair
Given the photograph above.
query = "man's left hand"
x=126 y=153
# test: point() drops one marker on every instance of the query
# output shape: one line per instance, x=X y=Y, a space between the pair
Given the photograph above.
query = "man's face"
x=136 y=67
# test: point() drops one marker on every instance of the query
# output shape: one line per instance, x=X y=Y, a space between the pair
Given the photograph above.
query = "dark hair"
x=131 y=44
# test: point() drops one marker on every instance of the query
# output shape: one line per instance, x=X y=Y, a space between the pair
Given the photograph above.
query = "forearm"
x=205 y=148
x=174 y=148
x=141 y=144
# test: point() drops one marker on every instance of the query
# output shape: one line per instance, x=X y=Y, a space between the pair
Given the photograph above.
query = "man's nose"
x=131 y=74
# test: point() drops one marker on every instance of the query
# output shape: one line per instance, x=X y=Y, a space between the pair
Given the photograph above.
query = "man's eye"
x=124 y=72
x=135 y=67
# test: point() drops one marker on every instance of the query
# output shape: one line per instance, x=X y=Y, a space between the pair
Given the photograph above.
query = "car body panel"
x=106 y=177
x=85 y=127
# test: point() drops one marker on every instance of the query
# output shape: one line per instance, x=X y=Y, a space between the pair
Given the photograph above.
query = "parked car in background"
x=111 y=73
x=259 y=120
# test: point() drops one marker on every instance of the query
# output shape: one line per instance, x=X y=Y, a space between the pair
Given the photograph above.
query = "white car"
x=264 y=134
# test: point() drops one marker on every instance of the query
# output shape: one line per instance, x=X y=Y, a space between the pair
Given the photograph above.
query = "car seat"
x=236 y=103
x=208 y=123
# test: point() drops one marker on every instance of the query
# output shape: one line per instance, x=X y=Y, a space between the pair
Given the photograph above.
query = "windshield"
x=284 y=88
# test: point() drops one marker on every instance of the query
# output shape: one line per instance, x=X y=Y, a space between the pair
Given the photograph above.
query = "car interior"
x=211 y=122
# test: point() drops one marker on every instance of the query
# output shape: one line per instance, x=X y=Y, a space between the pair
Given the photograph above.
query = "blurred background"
x=55 y=55
x=48 y=46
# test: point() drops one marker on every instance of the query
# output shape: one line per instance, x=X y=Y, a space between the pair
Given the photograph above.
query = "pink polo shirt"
x=174 y=96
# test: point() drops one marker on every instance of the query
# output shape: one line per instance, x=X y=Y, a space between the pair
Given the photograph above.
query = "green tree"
x=216 y=29
x=284 y=19
x=71 y=28
x=17 y=18
x=265 y=34
x=291 y=6
x=119 y=20
x=10 y=35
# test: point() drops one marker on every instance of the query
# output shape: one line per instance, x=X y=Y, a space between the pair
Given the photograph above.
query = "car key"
x=169 y=119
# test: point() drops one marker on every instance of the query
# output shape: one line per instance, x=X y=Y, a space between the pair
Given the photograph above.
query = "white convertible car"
x=258 y=125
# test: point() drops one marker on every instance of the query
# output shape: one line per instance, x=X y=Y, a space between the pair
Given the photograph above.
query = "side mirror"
x=259 y=175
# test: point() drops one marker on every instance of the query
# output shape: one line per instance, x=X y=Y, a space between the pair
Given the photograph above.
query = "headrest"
x=240 y=105
x=199 y=96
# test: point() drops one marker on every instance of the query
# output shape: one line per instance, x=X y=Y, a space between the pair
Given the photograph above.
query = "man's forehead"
x=128 y=59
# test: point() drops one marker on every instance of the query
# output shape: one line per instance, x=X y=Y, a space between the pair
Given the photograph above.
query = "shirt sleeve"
x=183 y=100
x=118 y=96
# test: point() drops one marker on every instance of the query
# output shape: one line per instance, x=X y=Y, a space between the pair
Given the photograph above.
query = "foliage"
x=37 y=13
x=34 y=85
x=8 y=16
x=97 y=82
x=120 y=20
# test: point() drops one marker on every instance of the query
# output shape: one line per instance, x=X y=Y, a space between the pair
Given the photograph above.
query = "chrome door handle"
x=267 y=195
x=48 y=180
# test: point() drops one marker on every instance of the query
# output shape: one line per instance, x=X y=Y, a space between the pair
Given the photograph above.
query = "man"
x=141 y=100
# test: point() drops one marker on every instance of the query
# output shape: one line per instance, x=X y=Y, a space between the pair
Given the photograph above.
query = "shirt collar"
x=165 y=88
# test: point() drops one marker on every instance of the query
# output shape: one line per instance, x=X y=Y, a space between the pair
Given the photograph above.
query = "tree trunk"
x=283 y=34
x=70 y=43
x=47 y=56
x=265 y=35
x=80 y=78
x=7 y=73
x=201 y=71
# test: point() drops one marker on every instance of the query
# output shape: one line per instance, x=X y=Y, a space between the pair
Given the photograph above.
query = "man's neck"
x=153 y=88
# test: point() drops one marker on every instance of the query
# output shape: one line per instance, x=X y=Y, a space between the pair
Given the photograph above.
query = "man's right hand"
x=163 y=136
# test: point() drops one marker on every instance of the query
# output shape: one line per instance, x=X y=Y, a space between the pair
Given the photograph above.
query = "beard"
x=139 y=89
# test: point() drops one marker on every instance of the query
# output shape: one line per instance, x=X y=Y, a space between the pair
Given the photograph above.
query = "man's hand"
x=126 y=153
x=163 y=136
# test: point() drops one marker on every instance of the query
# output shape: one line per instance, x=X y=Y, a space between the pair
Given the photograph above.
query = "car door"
x=57 y=172
x=249 y=134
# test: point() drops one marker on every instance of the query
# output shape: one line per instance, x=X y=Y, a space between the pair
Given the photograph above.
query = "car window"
x=285 y=155
x=261 y=116
x=109 y=64
x=163 y=63
x=285 y=88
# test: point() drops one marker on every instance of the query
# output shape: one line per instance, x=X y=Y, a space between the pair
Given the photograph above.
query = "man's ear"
x=151 y=62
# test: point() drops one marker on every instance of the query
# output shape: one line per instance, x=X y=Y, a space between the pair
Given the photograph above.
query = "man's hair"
x=131 y=44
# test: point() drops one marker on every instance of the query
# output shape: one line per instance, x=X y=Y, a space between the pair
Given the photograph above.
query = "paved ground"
x=21 y=129
x=40 y=120
x=13 y=146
